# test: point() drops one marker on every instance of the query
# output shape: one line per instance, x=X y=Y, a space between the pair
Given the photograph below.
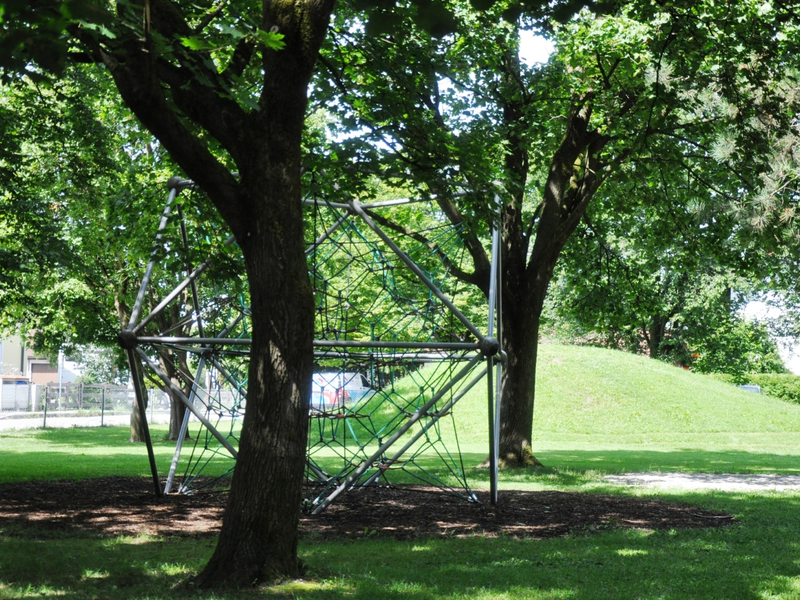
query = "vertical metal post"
x=492 y=440
x=494 y=433
x=44 y=421
x=102 y=405
x=60 y=375
x=139 y=393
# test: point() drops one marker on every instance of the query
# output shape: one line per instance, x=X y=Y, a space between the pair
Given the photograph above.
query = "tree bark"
x=258 y=541
x=173 y=363
x=137 y=426
x=517 y=388
x=658 y=324
x=571 y=183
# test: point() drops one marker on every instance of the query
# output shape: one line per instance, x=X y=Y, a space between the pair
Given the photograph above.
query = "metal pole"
x=195 y=295
x=44 y=422
x=416 y=270
x=227 y=376
x=176 y=390
x=60 y=374
x=404 y=345
x=490 y=392
x=434 y=418
x=492 y=456
x=194 y=341
x=328 y=233
x=499 y=379
x=396 y=435
x=139 y=393
x=197 y=341
x=137 y=307
x=184 y=426
x=189 y=280
x=102 y=405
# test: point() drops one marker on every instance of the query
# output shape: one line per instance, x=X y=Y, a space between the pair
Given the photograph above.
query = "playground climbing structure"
x=398 y=344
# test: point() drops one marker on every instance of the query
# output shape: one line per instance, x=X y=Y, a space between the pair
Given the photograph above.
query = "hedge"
x=778 y=385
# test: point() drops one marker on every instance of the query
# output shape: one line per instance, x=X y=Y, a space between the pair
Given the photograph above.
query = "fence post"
x=102 y=405
x=44 y=422
x=80 y=396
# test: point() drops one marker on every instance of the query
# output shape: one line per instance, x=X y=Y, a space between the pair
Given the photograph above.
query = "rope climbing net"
x=398 y=343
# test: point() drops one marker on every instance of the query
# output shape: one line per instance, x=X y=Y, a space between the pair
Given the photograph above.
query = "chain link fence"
x=24 y=404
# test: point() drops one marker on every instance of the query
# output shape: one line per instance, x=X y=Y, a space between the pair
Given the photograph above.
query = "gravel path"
x=727 y=482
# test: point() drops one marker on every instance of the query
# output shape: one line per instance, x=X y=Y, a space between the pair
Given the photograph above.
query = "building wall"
x=12 y=356
x=42 y=372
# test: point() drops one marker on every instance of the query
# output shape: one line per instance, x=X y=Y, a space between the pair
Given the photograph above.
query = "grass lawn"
x=597 y=412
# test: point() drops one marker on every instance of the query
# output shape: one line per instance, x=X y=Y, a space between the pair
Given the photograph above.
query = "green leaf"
x=271 y=39
x=195 y=43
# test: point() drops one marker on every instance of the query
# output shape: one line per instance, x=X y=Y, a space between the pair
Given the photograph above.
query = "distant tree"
x=647 y=271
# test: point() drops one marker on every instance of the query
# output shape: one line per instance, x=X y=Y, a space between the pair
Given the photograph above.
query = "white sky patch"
x=761 y=310
x=533 y=48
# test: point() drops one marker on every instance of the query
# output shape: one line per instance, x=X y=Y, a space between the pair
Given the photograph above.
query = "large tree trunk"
x=517 y=390
x=258 y=540
x=570 y=185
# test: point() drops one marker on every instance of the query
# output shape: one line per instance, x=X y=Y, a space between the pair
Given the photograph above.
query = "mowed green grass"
x=616 y=412
x=597 y=412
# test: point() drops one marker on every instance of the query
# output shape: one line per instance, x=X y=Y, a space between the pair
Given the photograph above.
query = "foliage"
x=102 y=365
x=785 y=386
x=85 y=167
x=643 y=100
x=647 y=292
x=731 y=344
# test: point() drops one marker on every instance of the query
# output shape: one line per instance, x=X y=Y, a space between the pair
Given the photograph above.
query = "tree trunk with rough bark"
x=136 y=424
x=521 y=344
x=572 y=181
x=262 y=206
x=258 y=540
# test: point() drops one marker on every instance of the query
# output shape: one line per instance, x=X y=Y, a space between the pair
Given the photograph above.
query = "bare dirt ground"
x=128 y=506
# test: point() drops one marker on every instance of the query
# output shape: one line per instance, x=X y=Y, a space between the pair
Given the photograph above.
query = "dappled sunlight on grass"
x=617 y=564
x=596 y=413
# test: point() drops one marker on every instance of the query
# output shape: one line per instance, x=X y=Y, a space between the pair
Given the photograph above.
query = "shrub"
x=778 y=385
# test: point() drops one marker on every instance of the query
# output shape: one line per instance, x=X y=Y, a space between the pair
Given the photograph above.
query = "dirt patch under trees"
x=127 y=506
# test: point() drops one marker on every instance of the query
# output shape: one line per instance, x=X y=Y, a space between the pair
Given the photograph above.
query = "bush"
x=778 y=385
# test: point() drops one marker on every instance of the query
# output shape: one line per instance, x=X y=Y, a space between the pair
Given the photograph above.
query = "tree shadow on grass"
x=623 y=461
x=87 y=567
x=758 y=557
x=95 y=436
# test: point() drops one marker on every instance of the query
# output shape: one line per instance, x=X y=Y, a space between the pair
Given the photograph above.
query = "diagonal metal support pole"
x=137 y=306
x=366 y=464
x=139 y=393
x=433 y=420
x=179 y=393
x=416 y=270
x=184 y=427
x=188 y=281
x=328 y=233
